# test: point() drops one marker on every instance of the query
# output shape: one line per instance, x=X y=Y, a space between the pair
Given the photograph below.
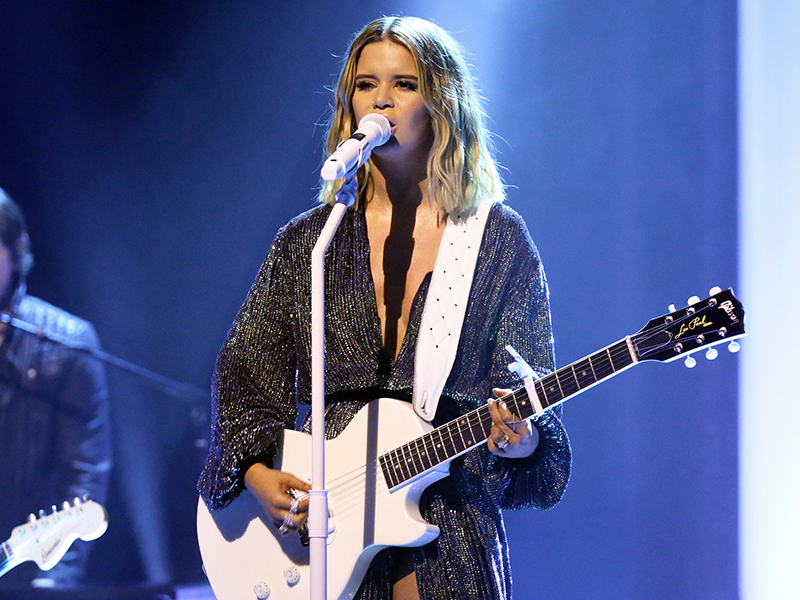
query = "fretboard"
x=467 y=431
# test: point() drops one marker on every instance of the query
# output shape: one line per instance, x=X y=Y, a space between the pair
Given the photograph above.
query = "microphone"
x=374 y=130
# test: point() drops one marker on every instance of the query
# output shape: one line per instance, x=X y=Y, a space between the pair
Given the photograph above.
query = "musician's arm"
x=254 y=382
x=540 y=479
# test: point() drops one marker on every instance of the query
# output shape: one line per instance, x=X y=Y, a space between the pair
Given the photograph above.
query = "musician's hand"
x=510 y=437
x=275 y=491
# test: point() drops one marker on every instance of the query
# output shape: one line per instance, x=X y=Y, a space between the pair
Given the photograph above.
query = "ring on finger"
x=503 y=442
x=288 y=522
x=293 y=506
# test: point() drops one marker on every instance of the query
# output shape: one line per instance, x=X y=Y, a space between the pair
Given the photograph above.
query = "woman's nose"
x=382 y=99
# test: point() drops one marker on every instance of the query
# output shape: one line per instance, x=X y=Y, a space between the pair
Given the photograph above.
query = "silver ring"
x=288 y=523
x=503 y=442
x=293 y=506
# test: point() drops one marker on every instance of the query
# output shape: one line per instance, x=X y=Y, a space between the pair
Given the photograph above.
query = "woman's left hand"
x=510 y=437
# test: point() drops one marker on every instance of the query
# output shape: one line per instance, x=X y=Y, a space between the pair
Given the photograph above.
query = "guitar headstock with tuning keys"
x=46 y=538
x=701 y=325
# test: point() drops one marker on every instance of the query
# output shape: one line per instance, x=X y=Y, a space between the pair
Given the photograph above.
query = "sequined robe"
x=264 y=368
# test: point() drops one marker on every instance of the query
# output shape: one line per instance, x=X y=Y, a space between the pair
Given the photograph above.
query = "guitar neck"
x=471 y=429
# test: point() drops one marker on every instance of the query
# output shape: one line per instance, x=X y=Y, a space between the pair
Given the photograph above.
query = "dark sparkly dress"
x=263 y=370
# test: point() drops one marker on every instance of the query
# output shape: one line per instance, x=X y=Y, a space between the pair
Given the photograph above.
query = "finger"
x=501 y=417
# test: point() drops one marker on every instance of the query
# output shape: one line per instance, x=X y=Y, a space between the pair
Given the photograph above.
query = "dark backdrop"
x=157 y=146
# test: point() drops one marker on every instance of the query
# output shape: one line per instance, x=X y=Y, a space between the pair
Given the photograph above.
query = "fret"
x=426 y=460
x=388 y=474
x=460 y=431
x=584 y=374
x=568 y=382
x=523 y=406
x=552 y=392
x=412 y=457
x=438 y=445
x=601 y=364
x=397 y=465
x=450 y=442
x=402 y=463
x=425 y=452
x=419 y=454
x=468 y=430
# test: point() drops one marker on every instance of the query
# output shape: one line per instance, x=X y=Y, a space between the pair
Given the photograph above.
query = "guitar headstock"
x=46 y=539
x=699 y=326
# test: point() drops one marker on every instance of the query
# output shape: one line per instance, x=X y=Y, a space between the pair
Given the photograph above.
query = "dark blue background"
x=157 y=146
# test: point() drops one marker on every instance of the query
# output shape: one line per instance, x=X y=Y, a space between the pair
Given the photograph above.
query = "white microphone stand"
x=318 y=501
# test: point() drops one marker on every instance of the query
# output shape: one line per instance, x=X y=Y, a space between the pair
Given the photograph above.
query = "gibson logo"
x=692 y=325
x=728 y=307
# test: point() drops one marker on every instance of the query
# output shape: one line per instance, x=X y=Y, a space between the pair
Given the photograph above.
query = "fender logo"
x=692 y=325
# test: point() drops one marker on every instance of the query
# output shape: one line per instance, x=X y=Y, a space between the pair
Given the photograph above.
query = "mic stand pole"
x=318 y=501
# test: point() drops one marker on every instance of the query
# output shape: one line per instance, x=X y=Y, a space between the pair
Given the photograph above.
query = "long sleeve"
x=253 y=383
x=540 y=480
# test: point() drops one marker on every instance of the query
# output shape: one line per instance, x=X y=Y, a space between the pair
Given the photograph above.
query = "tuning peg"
x=734 y=346
x=31 y=518
x=76 y=502
x=672 y=308
x=693 y=300
x=65 y=505
x=690 y=362
x=41 y=514
x=714 y=290
x=711 y=353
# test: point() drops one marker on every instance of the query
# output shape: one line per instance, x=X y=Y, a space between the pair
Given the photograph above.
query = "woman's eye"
x=363 y=85
x=407 y=85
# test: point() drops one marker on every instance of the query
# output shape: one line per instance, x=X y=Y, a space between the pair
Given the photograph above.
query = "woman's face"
x=387 y=83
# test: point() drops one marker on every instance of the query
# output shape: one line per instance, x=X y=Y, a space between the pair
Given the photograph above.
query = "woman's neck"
x=398 y=183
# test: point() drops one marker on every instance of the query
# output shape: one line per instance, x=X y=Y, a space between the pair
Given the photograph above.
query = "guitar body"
x=242 y=549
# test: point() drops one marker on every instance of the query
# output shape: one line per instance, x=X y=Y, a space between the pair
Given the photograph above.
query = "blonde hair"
x=462 y=172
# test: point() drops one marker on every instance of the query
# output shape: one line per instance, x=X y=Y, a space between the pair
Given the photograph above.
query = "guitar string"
x=346 y=483
x=355 y=480
x=348 y=494
x=617 y=350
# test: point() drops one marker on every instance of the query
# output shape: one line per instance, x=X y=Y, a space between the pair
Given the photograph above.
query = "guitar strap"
x=445 y=307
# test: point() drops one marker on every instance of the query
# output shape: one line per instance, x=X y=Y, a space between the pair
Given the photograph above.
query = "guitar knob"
x=292 y=575
x=65 y=505
x=262 y=591
x=714 y=290
x=734 y=346
x=31 y=518
x=711 y=353
x=693 y=300
x=690 y=362
x=672 y=308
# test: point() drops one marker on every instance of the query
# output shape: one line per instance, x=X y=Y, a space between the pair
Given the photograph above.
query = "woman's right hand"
x=275 y=491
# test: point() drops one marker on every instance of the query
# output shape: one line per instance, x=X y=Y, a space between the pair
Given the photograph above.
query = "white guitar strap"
x=445 y=307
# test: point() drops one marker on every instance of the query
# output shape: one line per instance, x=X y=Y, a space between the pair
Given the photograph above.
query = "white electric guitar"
x=47 y=538
x=386 y=457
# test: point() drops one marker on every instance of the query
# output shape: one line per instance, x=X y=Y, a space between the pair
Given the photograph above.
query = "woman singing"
x=436 y=171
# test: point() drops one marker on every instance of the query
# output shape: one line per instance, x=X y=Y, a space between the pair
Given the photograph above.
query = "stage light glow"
x=769 y=94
